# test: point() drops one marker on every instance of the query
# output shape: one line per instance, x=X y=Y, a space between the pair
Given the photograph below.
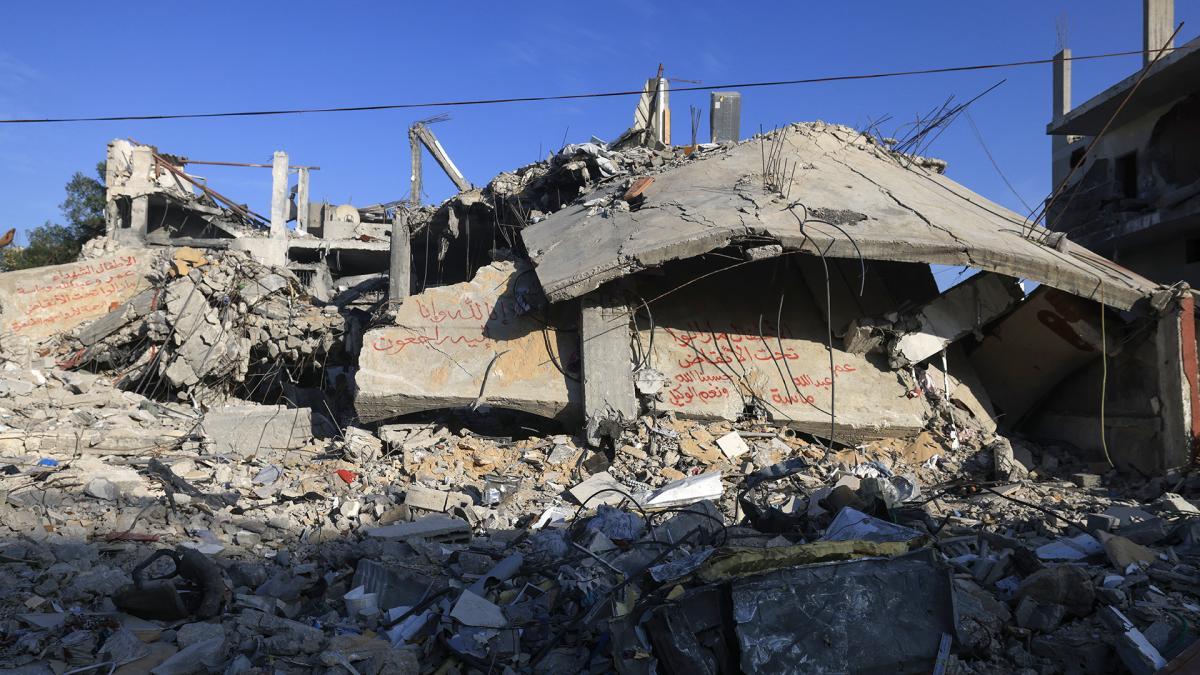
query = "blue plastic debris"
x=46 y=461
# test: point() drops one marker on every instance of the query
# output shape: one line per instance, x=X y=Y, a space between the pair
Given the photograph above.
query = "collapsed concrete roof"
x=856 y=196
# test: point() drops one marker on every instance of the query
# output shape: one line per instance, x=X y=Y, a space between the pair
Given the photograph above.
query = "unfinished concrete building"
x=1135 y=198
x=153 y=201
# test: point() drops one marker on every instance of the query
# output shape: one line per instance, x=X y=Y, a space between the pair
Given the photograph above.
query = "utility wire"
x=995 y=165
x=562 y=97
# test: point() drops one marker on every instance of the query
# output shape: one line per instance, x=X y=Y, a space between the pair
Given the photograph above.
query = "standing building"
x=1136 y=197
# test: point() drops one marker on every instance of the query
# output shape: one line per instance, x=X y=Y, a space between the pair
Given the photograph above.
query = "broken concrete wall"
x=45 y=301
x=474 y=343
x=958 y=312
x=1028 y=353
x=717 y=343
x=208 y=326
x=1146 y=415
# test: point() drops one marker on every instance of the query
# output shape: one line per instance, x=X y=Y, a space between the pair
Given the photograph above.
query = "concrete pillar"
x=725 y=116
x=112 y=218
x=662 y=110
x=399 y=266
x=139 y=217
x=1062 y=83
x=279 y=192
x=302 y=200
x=141 y=182
x=1060 y=146
x=414 y=149
x=1158 y=23
x=1173 y=390
x=609 y=398
x=112 y=211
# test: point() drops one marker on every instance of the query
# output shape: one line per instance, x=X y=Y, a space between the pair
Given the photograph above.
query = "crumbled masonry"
x=728 y=453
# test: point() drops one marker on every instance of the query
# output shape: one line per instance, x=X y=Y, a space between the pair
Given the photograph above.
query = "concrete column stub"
x=609 y=398
x=279 y=188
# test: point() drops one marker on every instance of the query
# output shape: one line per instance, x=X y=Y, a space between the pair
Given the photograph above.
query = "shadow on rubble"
x=356 y=575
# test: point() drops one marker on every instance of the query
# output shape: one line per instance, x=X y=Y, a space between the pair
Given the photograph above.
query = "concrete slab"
x=48 y=300
x=858 y=198
x=953 y=314
x=430 y=526
x=600 y=488
x=1032 y=350
x=457 y=345
x=910 y=607
x=243 y=430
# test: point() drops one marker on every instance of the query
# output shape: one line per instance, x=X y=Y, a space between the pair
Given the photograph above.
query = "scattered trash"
x=853 y=525
x=684 y=491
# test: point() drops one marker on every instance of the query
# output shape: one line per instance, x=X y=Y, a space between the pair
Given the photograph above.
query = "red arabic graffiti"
x=463 y=324
x=81 y=292
x=392 y=346
x=726 y=350
x=100 y=287
x=62 y=315
x=77 y=276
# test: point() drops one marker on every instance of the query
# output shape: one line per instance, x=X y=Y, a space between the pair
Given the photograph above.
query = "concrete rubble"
x=575 y=455
x=451 y=546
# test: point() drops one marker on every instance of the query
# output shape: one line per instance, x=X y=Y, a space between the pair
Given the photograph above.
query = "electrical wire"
x=562 y=97
x=995 y=165
x=1103 y=378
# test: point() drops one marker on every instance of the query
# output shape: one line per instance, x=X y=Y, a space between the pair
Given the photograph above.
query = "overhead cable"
x=560 y=97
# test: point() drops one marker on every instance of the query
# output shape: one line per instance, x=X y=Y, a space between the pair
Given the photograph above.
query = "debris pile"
x=515 y=199
x=688 y=547
x=209 y=318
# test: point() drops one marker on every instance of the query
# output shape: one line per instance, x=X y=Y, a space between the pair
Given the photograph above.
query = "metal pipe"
x=185 y=160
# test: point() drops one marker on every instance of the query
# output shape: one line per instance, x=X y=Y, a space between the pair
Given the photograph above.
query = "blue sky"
x=166 y=57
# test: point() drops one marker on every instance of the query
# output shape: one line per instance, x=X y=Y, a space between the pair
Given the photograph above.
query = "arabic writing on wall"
x=705 y=373
x=74 y=294
x=463 y=324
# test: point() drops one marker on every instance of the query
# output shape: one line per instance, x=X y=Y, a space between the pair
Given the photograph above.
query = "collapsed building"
x=620 y=410
x=724 y=287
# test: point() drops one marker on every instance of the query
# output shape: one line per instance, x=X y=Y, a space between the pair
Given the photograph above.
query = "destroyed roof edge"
x=921 y=217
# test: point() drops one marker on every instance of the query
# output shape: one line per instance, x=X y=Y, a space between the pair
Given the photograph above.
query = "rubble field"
x=423 y=547
x=219 y=464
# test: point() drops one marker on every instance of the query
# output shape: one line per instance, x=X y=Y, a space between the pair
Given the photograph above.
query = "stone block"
x=474 y=343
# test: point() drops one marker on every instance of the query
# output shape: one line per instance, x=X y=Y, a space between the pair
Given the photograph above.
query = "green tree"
x=52 y=243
